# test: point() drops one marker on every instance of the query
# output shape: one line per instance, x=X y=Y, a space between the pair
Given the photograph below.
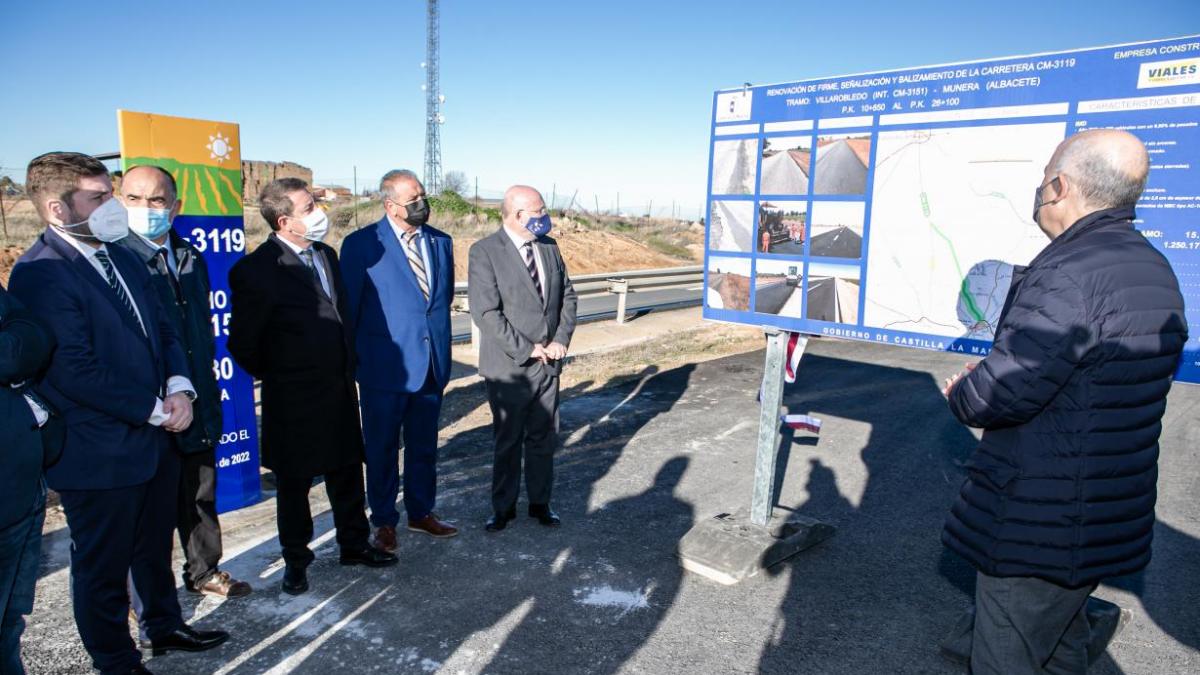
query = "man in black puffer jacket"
x=1060 y=492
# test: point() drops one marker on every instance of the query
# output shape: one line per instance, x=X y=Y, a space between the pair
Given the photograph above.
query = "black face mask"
x=418 y=212
x=1037 y=199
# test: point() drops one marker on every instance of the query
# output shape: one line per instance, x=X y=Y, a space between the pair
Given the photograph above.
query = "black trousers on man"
x=347 y=499
x=525 y=426
x=1025 y=625
x=198 y=527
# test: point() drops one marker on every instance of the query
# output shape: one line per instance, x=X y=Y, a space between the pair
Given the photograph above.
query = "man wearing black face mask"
x=399 y=276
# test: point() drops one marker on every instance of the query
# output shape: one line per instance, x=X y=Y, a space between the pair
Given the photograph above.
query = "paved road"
x=597 y=307
x=641 y=463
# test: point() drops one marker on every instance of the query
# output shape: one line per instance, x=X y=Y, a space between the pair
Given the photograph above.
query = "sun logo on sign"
x=219 y=147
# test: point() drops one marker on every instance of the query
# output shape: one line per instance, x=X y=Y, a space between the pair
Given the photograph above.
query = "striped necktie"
x=531 y=265
x=414 y=260
x=115 y=284
x=310 y=262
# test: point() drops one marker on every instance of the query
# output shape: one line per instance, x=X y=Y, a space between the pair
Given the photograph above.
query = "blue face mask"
x=150 y=223
x=539 y=225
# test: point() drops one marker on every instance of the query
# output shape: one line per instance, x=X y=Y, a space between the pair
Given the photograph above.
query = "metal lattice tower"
x=433 y=104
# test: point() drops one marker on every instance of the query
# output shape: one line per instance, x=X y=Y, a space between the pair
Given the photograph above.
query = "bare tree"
x=454 y=181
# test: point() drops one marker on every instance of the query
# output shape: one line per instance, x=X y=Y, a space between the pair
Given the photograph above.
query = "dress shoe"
x=186 y=639
x=544 y=515
x=139 y=669
x=295 y=580
x=385 y=538
x=499 y=521
x=223 y=585
x=371 y=557
x=433 y=527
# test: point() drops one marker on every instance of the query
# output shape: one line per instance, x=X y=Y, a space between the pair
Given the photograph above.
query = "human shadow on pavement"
x=529 y=595
x=869 y=599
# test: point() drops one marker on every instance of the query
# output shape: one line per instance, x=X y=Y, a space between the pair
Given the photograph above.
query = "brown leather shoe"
x=385 y=538
x=433 y=527
x=225 y=586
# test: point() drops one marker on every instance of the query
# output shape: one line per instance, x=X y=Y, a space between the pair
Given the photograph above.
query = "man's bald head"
x=1109 y=167
x=521 y=202
x=149 y=177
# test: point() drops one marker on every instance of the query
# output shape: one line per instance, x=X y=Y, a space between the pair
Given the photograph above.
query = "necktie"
x=531 y=265
x=414 y=260
x=115 y=284
x=164 y=265
x=307 y=256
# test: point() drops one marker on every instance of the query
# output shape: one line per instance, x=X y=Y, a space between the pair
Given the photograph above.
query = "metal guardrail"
x=588 y=284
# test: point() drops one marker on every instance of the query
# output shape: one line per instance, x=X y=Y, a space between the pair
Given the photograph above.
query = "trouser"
x=20 y=552
x=115 y=533
x=344 y=486
x=385 y=416
x=199 y=530
x=525 y=426
x=1028 y=625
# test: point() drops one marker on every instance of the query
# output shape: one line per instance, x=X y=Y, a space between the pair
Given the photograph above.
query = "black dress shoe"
x=499 y=521
x=139 y=669
x=295 y=580
x=369 y=556
x=544 y=515
x=186 y=639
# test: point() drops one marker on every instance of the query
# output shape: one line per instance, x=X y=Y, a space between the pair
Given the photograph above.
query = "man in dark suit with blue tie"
x=399 y=276
x=25 y=347
x=120 y=380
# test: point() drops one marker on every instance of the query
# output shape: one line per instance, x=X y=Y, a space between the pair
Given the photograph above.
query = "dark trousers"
x=199 y=529
x=385 y=416
x=525 y=426
x=344 y=487
x=1027 y=625
x=20 y=553
x=116 y=533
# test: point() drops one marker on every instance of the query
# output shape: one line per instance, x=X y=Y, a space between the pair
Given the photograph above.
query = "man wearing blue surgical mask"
x=524 y=304
x=180 y=278
x=290 y=329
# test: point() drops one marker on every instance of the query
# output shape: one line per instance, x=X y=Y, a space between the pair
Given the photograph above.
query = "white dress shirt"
x=537 y=258
x=422 y=242
x=316 y=263
x=176 y=383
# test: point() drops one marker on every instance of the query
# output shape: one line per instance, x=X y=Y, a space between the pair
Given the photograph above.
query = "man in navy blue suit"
x=119 y=378
x=399 y=276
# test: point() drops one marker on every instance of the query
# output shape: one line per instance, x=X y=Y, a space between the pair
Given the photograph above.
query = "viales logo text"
x=1169 y=73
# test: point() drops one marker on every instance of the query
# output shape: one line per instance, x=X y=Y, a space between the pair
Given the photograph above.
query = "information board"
x=205 y=159
x=892 y=206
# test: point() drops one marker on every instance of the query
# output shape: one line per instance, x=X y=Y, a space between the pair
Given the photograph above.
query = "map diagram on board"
x=950 y=216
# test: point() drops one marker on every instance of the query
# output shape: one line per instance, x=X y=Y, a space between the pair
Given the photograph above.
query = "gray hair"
x=1103 y=182
x=273 y=201
x=392 y=177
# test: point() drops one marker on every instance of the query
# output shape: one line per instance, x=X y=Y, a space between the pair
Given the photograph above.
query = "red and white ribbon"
x=792 y=358
x=802 y=423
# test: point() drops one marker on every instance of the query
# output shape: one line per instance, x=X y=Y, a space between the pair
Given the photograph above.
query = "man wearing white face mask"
x=119 y=377
x=180 y=278
x=287 y=330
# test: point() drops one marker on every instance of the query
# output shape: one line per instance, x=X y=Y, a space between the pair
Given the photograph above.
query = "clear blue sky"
x=596 y=96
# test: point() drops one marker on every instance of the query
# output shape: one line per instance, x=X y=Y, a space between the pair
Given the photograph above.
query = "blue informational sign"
x=892 y=206
x=222 y=242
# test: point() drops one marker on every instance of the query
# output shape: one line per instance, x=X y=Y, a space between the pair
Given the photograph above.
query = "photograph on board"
x=779 y=287
x=785 y=165
x=734 y=166
x=841 y=164
x=836 y=229
x=728 y=283
x=781 y=227
x=731 y=226
x=833 y=293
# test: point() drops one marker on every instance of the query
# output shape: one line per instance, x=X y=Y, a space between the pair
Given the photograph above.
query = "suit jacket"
x=506 y=307
x=25 y=348
x=285 y=331
x=398 y=333
x=106 y=374
x=190 y=317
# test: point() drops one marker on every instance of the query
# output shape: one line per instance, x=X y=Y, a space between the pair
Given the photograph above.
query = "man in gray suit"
x=524 y=305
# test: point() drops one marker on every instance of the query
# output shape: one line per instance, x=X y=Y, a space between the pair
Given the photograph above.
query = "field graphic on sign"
x=950 y=216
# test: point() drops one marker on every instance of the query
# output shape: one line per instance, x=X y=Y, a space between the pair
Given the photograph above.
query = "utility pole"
x=354 y=197
x=3 y=216
x=597 y=198
x=553 y=194
x=433 y=104
x=476 y=193
x=618 y=204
